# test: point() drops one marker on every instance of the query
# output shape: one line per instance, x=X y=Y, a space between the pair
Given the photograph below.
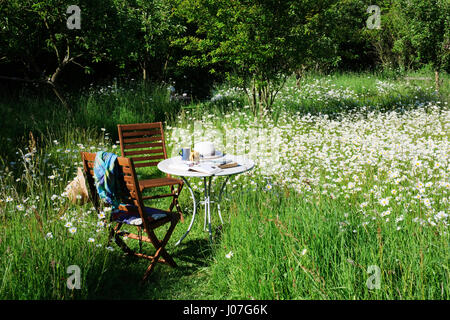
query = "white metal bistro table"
x=169 y=166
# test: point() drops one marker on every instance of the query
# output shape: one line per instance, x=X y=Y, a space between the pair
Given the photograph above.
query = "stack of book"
x=208 y=167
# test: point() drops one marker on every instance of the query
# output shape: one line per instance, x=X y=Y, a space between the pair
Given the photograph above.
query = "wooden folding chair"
x=131 y=210
x=144 y=143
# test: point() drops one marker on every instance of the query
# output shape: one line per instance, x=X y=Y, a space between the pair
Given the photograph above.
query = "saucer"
x=217 y=155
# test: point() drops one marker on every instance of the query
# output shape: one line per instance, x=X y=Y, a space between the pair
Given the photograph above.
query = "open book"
x=205 y=167
x=202 y=167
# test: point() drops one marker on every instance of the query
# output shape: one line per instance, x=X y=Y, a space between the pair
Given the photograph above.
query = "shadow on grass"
x=122 y=276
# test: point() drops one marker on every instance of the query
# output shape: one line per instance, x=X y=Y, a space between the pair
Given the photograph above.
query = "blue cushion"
x=132 y=216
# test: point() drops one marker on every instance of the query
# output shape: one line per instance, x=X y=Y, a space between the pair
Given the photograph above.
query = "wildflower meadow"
x=302 y=148
x=348 y=205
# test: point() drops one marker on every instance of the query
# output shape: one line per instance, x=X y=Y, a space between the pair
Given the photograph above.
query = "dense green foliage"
x=255 y=43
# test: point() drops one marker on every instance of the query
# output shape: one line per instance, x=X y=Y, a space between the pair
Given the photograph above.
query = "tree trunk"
x=436 y=79
x=60 y=96
x=299 y=72
x=52 y=82
x=144 y=71
x=165 y=66
x=144 y=74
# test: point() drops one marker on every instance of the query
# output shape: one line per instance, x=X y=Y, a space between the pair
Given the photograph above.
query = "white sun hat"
x=205 y=148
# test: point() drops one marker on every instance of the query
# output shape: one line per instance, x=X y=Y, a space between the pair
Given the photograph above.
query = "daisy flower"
x=384 y=202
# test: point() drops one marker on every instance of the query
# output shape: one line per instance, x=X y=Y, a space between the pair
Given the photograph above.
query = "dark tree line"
x=255 y=44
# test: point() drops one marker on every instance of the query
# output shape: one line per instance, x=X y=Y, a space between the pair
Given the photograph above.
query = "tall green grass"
x=286 y=248
x=274 y=244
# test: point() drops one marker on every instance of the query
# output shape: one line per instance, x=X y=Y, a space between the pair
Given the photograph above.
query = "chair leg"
x=160 y=248
x=112 y=231
x=162 y=244
x=175 y=201
x=119 y=241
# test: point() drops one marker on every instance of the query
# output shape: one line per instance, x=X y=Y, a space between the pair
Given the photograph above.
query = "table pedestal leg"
x=193 y=214
x=207 y=203
x=220 y=197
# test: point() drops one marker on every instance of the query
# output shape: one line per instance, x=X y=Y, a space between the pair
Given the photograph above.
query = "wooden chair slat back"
x=142 y=142
x=130 y=193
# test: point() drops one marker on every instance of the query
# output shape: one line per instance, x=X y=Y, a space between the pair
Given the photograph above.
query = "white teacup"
x=205 y=148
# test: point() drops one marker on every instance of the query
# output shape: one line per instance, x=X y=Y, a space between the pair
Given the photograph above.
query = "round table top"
x=169 y=166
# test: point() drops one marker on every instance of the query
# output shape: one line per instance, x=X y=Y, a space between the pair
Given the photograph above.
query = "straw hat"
x=76 y=190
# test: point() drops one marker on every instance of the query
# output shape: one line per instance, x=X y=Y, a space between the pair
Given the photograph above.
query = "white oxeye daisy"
x=20 y=207
x=101 y=215
x=68 y=224
x=9 y=199
x=440 y=215
x=427 y=202
x=72 y=230
x=385 y=213
x=49 y=235
x=91 y=240
x=384 y=202
x=229 y=255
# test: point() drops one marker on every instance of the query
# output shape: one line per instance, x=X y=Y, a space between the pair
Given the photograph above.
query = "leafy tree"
x=149 y=27
x=35 y=35
x=424 y=26
x=414 y=33
x=383 y=38
x=258 y=42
